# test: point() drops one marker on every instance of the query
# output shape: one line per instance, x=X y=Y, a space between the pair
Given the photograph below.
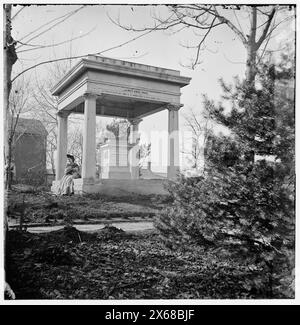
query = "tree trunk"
x=251 y=64
x=9 y=58
x=251 y=68
x=9 y=164
x=6 y=80
x=252 y=49
x=52 y=160
x=6 y=91
x=250 y=79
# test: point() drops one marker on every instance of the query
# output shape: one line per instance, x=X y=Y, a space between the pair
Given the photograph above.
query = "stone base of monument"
x=121 y=172
x=84 y=185
x=118 y=187
x=81 y=185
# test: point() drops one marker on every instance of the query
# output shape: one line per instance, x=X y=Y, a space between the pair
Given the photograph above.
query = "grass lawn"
x=42 y=207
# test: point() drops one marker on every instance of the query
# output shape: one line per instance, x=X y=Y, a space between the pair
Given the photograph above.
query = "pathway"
x=126 y=226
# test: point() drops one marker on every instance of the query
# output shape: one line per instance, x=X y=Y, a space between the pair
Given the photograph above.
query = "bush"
x=249 y=215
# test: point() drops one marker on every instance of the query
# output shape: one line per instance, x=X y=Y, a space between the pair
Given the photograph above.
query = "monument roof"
x=115 y=66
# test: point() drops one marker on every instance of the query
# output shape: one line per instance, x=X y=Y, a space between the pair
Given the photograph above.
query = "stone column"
x=173 y=143
x=134 y=151
x=89 y=138
x=62 y=144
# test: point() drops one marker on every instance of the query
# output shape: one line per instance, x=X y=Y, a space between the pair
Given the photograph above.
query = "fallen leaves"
x=111 y=264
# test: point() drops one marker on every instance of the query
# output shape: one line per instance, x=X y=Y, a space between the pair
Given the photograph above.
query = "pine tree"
x=241 y=205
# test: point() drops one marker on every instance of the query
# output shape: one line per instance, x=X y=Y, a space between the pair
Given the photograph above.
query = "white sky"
x=225 y=56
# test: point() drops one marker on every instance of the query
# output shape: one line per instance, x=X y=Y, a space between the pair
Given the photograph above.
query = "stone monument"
x=108 y=87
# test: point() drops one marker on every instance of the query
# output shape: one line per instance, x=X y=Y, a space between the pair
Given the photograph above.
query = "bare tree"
x=19 y=103
x=9 y=58
x=199 y=128
x=262 y=22
x=75 y=144
x=145 y=153
x=46 y=106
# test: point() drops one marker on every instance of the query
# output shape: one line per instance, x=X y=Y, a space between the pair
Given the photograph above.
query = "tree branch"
x=252 y=37
x=160 y=26
x=49 y=22
x=202 y=41
x=37 y=47
x=265 y=31
x=81 y=56
x=16 y=14
x=230 y=25
x=275 y=26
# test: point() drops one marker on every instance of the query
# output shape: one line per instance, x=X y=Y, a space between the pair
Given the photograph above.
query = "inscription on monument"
x=134 y=92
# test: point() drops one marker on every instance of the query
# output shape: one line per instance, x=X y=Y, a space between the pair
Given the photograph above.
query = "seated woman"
x=66 y=186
